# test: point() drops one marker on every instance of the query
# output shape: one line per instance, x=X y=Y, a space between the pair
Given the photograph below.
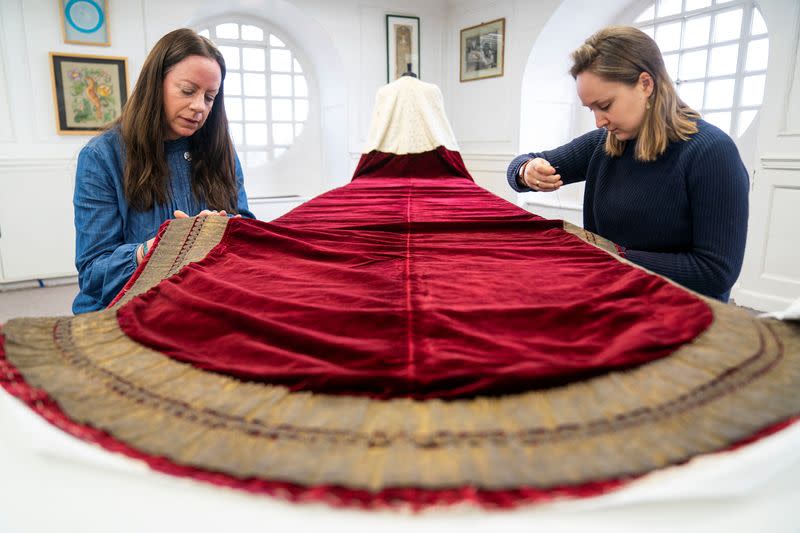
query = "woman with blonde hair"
x=662 y=183
x=168 y=155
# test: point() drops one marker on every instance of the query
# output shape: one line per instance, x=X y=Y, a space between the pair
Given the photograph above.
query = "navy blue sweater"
x=683 y=216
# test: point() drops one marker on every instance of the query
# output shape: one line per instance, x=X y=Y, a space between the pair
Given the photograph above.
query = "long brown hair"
x=143 y=128
x=621 y=54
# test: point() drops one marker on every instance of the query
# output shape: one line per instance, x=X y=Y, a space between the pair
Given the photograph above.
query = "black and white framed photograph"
x=402 y=46
x=482 y=48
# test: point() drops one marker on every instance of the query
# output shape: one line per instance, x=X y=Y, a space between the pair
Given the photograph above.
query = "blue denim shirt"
x=108 y=230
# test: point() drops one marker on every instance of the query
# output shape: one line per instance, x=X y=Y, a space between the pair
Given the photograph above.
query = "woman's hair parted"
x=143 y=127
x=621 y=54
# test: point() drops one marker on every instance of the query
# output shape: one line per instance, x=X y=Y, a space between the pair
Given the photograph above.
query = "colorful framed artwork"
x=402 y=46
x=482 y=49
x=85 y=22
x=89 y=91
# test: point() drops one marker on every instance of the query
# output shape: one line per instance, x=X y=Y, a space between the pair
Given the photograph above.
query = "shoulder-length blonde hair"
x=621 y=54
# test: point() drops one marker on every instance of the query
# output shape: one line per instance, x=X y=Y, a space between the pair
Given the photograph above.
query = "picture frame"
x=483 y=50
x=89 y=91
x=402 y=46
x=85 y=22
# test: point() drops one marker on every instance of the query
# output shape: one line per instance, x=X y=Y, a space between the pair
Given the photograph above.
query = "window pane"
x=727 y=26
x=233 y=84
x=722 y=120
x=671 y=62
x=745 y=119
x=252 y=33
x=281 y=85
x=255 y=109
x=266 y=96
x=697 y=4
x=696 y=32
x=281 y=109
x=205 y=33
x=668 y=7
x=723 y=60
x=757 y=54
x=236 y=133
x=231 y=56
x=228 y=31
x=233 y=108
x=253 y=59
x=254 y=85
x=300 y=87
x=256 y=158
x=282 y=134
x=753 y=90
x=300 y=110
x=256 y=134
x=692 y=94
x=719 y=93
x=693 y=65
x=280 y=60
x=650 y=31
x=668 y=36
x=647 y=14
x=758 y=26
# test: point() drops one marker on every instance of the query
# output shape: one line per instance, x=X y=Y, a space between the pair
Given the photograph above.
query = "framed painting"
x=482 y=49
x=88 y=91
x=402 y=46
x=85 y=22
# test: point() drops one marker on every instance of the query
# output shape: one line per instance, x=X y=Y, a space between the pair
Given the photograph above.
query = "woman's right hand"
x=539 y=175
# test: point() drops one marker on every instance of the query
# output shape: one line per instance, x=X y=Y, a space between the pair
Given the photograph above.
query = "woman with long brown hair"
x=168 y=155
x=661 y=182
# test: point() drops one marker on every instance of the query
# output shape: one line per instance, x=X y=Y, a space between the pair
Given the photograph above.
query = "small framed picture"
x=402 y=46
x=482 y=49
x=85 y=22
x=88 y=91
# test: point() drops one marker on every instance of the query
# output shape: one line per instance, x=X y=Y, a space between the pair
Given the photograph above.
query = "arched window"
x=716 y=53
x=266 y=91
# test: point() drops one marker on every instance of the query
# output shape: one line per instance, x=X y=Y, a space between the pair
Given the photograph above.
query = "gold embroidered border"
x=186 y=240
x=591 y=238
x=736 y=378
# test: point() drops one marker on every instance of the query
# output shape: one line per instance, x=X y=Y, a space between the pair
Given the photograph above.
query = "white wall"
x=770 y=278
x=36 y=164
x=485 y=113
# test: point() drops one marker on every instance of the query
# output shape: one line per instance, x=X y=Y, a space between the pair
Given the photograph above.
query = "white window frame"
x=274 y=151
x=743 y=41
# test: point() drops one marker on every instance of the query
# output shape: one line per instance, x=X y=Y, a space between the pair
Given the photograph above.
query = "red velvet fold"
x=397 y=285
x=434 y=164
